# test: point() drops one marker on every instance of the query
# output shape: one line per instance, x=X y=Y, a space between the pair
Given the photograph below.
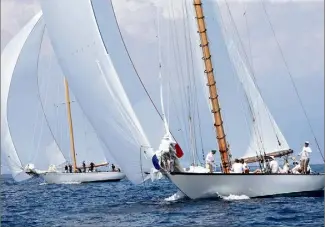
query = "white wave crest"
x=235 y=197
x=177 y=196
x=70 y=182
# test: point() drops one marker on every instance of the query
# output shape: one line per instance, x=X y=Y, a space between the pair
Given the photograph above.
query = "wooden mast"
x=73 y=153
x=218 y=123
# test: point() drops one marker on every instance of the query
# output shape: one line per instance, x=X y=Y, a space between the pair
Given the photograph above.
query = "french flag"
x=179 y=151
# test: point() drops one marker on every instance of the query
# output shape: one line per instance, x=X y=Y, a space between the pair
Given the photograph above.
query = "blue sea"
x=34 y=203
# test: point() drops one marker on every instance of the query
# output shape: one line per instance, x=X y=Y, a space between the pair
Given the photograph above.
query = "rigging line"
x=249 y=42
x=250 y=69
x=133 y=65
x=195 y=88
x=46 y=119
x=249 y=101
x=189 y=92
x=182 y=94
x=292 y=80
x=191 y=75
x=180 y=74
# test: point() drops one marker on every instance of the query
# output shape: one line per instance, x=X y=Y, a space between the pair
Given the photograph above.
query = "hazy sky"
x=299 y=27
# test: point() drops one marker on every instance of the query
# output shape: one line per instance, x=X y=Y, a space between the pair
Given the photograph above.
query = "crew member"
x=304 y=157
x=209 y=160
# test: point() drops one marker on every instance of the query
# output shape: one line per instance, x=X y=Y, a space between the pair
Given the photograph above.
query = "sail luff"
x=73 y=152
x=220 y=134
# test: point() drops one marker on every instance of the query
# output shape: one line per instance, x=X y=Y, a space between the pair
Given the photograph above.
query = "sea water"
x=35 y=203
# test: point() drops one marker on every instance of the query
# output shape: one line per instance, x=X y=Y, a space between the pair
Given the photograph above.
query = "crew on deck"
x=84 y=166
x=237 y=167
x=209 y=160
x=304 y=157
x=91 y=168
x=274 y=165
x=245 y=166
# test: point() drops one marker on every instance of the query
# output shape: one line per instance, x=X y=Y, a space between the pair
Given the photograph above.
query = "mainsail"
x=103 y=80
x=18 y=68
x=265 y=135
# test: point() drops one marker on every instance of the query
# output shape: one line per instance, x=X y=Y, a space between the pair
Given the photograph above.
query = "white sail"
x=87 y=144
x=9 y=58
x=103 y=80
x=267 y=136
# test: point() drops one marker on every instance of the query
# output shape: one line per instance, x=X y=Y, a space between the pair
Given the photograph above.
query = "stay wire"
x=292 y=80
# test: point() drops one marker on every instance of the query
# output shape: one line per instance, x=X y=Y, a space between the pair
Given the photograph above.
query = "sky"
x=299 y=28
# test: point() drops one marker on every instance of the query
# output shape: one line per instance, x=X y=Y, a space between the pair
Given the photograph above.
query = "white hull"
x=196 y=185
x=59 y=178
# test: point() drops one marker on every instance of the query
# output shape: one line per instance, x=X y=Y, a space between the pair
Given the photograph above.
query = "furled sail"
x=89 y=48
x=18 y=77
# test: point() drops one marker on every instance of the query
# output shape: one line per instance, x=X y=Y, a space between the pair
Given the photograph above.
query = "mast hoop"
x=210 y=71
x=204 y=31
x=214 y=83
x=206 y=58
x=204 y=45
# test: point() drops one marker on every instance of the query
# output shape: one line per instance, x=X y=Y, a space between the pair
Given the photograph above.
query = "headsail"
x=103 y=80
x=14 y=61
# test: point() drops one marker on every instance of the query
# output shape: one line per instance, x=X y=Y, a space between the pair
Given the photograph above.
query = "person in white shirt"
x=304 y=157
x=285 y=168
x=274 y=165
x=296 y=169
x=245 y=166
x=237 y=167
x=209 y=160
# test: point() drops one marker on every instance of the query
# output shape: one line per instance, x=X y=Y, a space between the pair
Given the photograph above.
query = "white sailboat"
x=99 y=52
x=251 y=185
x=56 y=177
x=19 y=62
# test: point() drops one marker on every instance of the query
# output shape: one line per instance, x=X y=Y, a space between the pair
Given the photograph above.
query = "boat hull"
x=205 y=185
x=59 y=178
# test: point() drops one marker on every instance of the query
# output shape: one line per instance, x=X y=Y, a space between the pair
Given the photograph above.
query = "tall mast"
x=218 y=123
x=67 y=97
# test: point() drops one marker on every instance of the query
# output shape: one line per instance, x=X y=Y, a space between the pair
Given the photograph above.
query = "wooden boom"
x=275 y=154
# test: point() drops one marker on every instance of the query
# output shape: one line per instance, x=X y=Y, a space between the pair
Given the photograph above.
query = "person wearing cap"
x=274 y=165
x=209 y=160
x=304 y=157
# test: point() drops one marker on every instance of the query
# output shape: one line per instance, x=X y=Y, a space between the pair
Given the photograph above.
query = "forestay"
x=103 y=80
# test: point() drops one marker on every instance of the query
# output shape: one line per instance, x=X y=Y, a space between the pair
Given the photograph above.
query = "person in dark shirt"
x=113 y=167
x=70 y=168
x=66 y=168
x=92 y=166
x=84 y=166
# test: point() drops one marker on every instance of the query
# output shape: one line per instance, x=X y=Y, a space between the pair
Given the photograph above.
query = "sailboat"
x=99 y=52
x=75 y=176
x=19 y=64
x=226 y=183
